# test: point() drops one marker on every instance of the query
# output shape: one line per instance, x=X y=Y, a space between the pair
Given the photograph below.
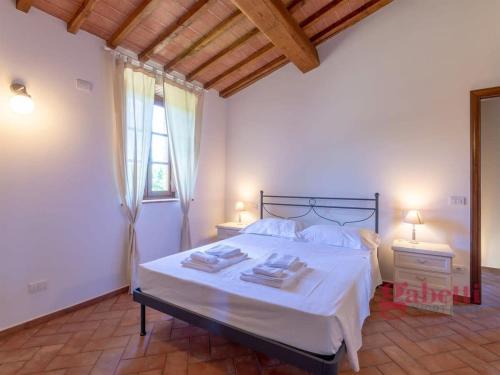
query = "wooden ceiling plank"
x=24 y=5
x=349 y=20
x=318 y=38
x=320 y=12
x=305 y=23
x=237 y=43
x=239 y=65
x=222 y=27
x=162 y=40
x=81 y=15
x=273 y=19
x=133 y=20
x=263 y=71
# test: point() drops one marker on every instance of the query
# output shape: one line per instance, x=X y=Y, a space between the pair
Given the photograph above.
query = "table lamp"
x=413 y=217
x=239 y=207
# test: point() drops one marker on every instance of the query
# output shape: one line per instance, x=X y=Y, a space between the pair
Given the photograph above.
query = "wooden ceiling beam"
x=237 y=43
x=222 y=27
x=133 y=20
x=273 y=19
x=162 y=40
x=263 y=71
x=318 y=38
x=349 y=20
x=239 y=65
x=81 y=15
x=24 y=5
x=305 y=23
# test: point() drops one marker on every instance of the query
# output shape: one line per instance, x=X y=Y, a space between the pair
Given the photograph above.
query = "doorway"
x=483 y=106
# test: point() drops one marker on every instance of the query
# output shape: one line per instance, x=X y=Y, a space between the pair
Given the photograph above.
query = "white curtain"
x=183 y=107
x=134 y=91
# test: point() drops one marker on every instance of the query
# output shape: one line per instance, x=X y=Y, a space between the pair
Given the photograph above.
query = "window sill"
x=160 y=200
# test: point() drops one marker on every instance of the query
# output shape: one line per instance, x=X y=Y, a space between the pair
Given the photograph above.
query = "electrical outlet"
x=37 y=286
x=456 y=200
x=458 y=268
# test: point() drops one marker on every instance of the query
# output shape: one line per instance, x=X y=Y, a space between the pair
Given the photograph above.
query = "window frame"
x=149 y=194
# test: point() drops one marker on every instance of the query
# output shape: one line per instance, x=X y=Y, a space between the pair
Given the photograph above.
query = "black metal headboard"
x=312 y=204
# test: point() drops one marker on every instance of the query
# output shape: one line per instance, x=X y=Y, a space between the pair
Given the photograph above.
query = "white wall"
x=490 y=182
x=60 y=217
x=386 y=111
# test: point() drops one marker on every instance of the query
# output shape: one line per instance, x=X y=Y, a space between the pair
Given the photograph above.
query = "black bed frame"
x=314 y=363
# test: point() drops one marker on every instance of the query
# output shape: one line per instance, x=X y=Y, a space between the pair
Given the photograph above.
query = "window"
x=159 y=181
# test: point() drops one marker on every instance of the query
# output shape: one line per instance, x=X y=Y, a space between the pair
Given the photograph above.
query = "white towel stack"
x=224 y=251
x=283 y=261
x=215 y=258
x=278 y=271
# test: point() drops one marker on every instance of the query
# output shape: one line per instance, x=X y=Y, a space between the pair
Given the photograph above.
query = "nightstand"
x=229 y=229
x=423 y=275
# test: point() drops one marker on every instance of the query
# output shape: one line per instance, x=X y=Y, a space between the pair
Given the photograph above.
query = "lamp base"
x=413 y=236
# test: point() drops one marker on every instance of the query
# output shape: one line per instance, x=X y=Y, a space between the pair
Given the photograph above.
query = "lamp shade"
x=413 y=217
x=239 y=206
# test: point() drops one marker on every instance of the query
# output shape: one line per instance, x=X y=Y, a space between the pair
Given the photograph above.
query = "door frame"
x=475 y=219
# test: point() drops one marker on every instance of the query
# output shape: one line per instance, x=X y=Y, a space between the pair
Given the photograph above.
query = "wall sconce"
x=21 y=102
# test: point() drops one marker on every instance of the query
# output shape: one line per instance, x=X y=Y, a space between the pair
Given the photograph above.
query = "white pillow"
x=275 y=227
x=352 y=238
x=371 y=239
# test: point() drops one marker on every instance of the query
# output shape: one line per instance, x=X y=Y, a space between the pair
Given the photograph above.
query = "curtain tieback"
x=131 y=227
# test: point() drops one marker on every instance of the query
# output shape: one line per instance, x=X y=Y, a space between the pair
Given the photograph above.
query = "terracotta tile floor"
x=103 y=339
x=490 y=279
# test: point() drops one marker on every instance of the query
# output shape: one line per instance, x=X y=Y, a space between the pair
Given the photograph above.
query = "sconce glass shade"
x=413 y=217
x=21 y=102
x=239 y=206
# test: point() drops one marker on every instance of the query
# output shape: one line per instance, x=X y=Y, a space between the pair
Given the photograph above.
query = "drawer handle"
x=422 y=261
x=421 y=278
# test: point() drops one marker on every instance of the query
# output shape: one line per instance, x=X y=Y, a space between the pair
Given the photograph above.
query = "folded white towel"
x=262 y=269
x=207 y=267
x=224 y=251
x=275 y=282
x=281 y=260
x=200 y=256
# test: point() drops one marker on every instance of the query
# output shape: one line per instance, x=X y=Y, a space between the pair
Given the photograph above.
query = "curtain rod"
x=153 y=68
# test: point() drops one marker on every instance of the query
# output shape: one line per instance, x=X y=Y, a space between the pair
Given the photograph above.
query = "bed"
x=310 y=324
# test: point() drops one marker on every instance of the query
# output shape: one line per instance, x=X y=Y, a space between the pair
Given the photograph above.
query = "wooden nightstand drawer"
x=435 y=300
x=418 y=278
x=223 y=233
x=423 y=275
x=422 y=262
x=229 y=229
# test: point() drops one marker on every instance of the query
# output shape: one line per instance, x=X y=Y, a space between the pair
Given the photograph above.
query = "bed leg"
x=143 y=320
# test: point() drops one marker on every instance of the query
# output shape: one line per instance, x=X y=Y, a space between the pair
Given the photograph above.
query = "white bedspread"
x=328 y=305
